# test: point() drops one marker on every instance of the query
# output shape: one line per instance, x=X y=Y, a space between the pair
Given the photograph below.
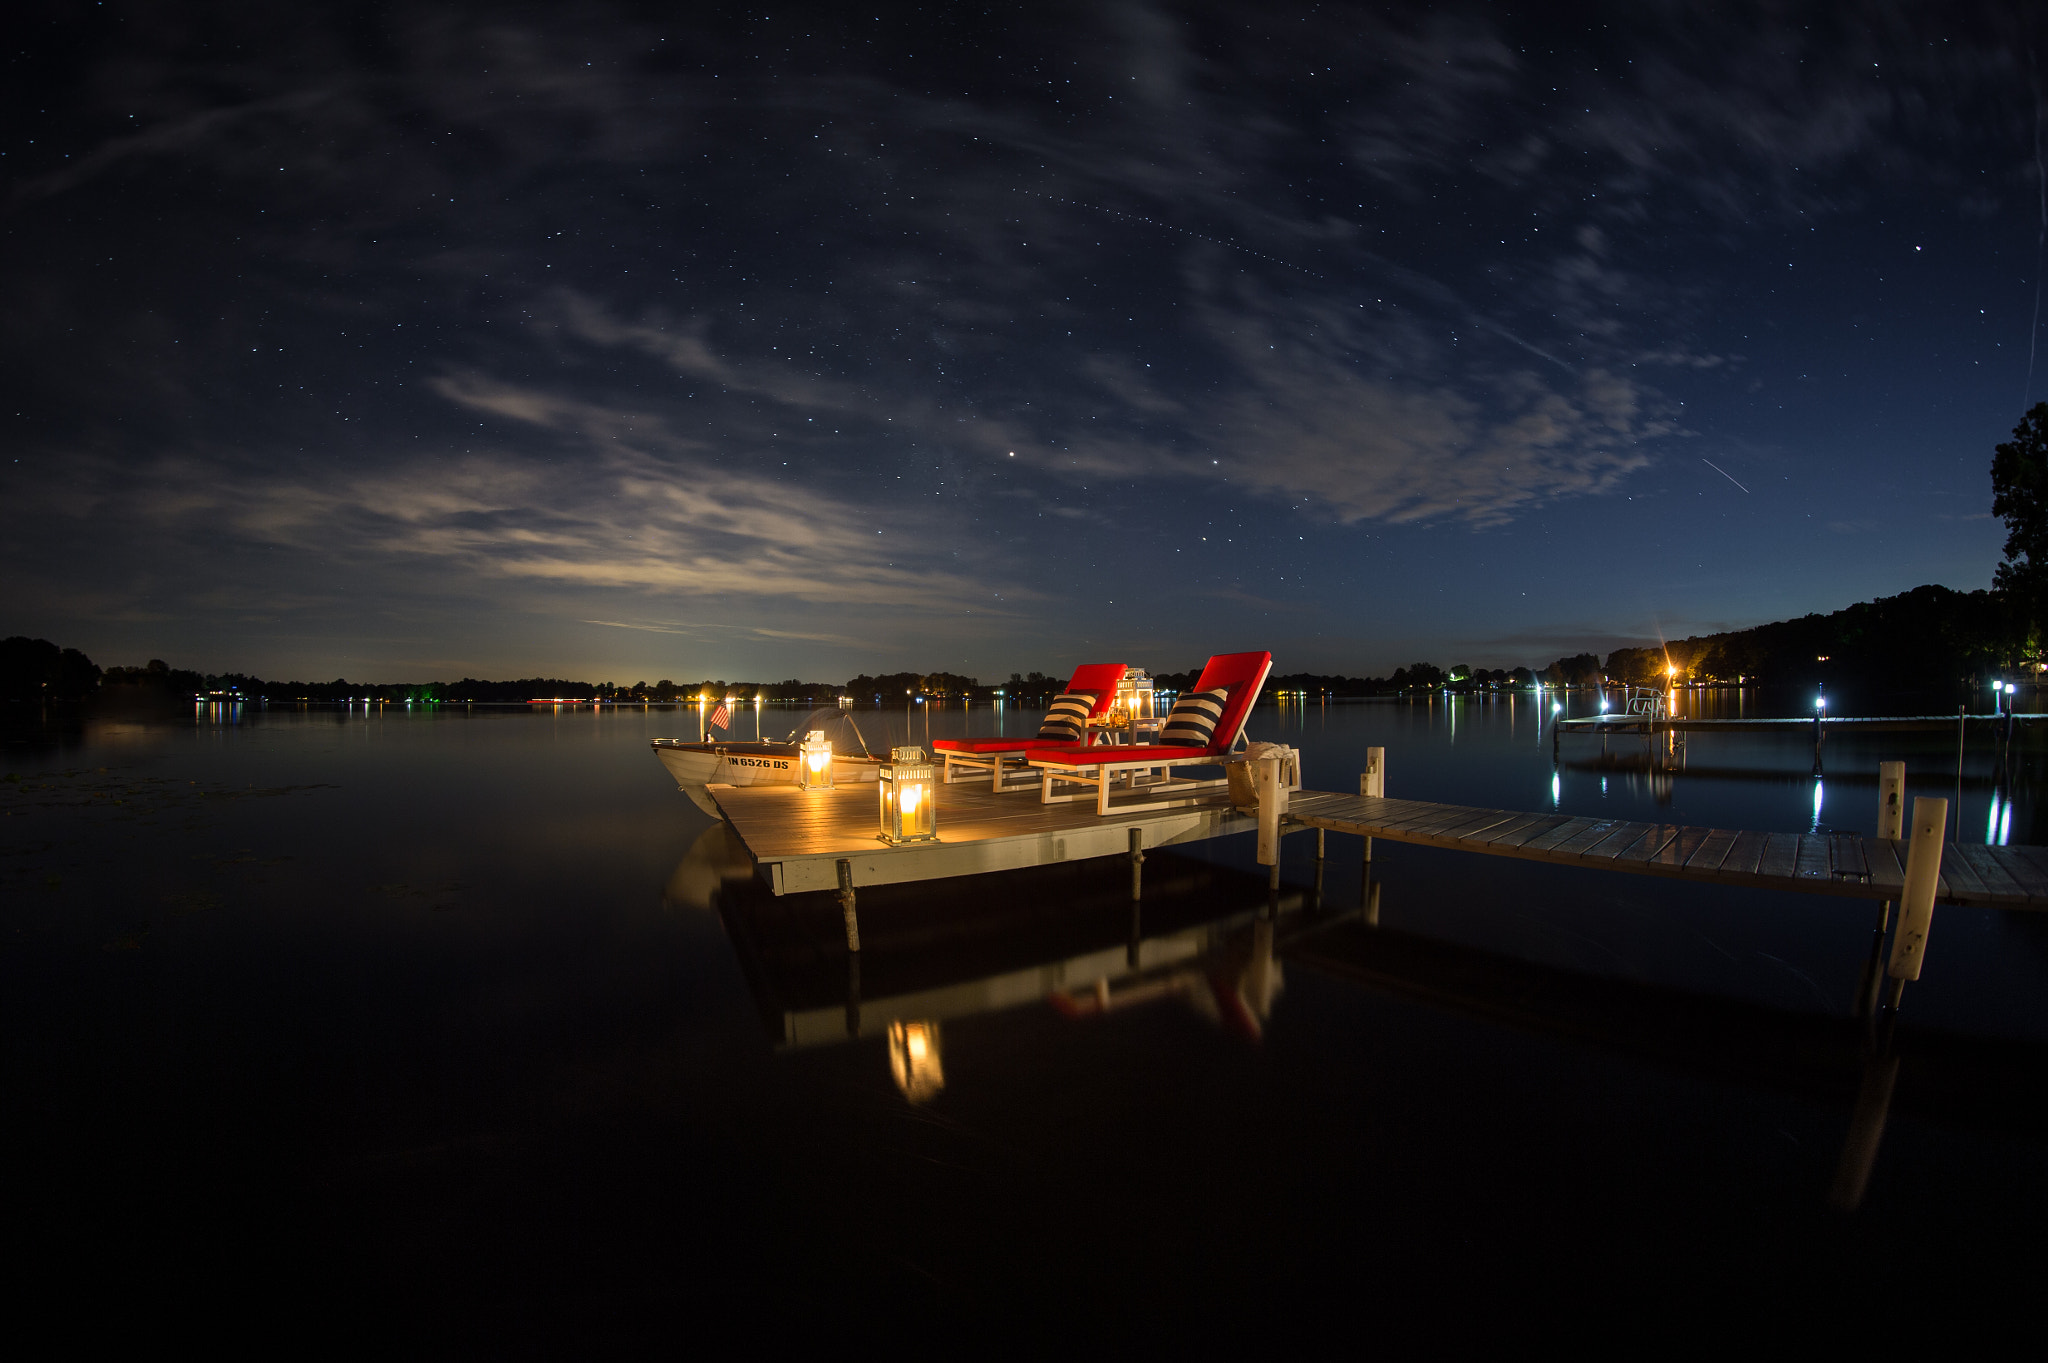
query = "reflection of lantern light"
x=908 y=811
x=814 y=772
x=914 y=1059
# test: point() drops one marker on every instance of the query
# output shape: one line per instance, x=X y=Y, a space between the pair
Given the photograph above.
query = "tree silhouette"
x=2019 y=497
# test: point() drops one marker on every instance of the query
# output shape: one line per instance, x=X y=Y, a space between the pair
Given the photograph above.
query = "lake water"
x=458 y=1028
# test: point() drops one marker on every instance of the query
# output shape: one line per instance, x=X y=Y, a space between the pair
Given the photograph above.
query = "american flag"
x=721 y=716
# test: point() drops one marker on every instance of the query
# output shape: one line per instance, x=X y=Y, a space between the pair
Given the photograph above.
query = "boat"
x=737 y=762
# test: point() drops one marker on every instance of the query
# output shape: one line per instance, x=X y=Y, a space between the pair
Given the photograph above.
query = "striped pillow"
x=1193 y=721
x=1067 y=720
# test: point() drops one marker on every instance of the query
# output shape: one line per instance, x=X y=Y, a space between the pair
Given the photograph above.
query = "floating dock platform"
x=797 y=838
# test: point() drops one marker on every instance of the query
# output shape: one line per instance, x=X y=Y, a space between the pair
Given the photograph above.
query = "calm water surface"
x=463 y=1029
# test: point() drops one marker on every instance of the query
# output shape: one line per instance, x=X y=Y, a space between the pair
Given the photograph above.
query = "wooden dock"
x=797 y=840
x=1842 y=864
x=1619 y=723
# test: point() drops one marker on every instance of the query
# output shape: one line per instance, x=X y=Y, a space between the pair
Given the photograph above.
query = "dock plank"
x=1780 y=858
x=1812 y=862
x=1549 y=842
x=1470 y=828
x=1986 y=868
x=1957 y=877
x=2028 y=872
x=1681 y=849
x=1713 y=850
x=1517 y=824
x=1587 y=838
x=1846 y=859
x=1619 y=841
x=1652 y=844
x=1744 y=856
x=1519 y=838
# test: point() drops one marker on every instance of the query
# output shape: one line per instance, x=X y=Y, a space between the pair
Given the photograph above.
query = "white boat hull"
x=697 y=765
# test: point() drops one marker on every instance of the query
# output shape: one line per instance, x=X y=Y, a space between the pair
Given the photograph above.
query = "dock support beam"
x=1137 y=855
x=1916 y=896
x=1891 y=801
x=846 y=905
x=1373 y=781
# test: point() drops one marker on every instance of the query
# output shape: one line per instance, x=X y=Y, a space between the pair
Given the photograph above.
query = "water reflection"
x=1217 y=943
x=1068 y=936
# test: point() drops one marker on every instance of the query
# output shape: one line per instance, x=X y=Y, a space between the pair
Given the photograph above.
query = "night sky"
x=426 y=341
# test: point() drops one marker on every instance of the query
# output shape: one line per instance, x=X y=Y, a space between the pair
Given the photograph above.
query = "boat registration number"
x=776 y=764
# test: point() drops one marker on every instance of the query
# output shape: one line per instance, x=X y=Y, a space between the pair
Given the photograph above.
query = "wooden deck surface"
x=1810 y=863
x=797 y=839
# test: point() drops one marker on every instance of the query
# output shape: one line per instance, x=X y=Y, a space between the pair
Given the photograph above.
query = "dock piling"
x=1272 y=805
x=846 y=905
x=1916 y=896
x=1872 y=981
x=1137 y=855
x=1373 y=781
x=1891 y=801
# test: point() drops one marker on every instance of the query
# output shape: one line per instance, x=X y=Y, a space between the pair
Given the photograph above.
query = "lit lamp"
x=914 y=1059
x=909 y=812
x=1135 y=697
x=814 y=765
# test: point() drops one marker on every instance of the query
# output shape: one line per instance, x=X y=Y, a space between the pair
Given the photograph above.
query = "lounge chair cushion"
x=1067 y=720
x=1126 y=755
x=1193 y=721
x=987 y=745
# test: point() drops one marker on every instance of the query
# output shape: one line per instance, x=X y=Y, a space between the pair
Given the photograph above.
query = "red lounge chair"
x=989 y=754
x=1149 y=770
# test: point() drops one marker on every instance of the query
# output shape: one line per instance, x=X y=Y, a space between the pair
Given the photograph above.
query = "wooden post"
x=1817 y=740
x=1372 y=902
x=1272 y=804
x=1961 y=730
x=1916 y=897
x=1373 y=782
x=1137 y=863
x=1872 y=982
x=1891 y=800
x=846 y=906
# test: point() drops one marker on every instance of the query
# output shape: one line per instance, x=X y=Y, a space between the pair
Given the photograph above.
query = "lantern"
x=914 y=1059
x=814 y=762
x=909 y=813
x=1136 y=699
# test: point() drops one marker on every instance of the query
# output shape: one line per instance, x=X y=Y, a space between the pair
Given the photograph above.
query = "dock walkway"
x=798 y=838
x=1618 y=723
x=1842 y=864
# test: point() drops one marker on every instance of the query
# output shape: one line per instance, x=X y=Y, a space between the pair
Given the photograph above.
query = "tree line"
x=1930 y=641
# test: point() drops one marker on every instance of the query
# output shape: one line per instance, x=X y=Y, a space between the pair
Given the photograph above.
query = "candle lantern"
x=814 y=762
x=1137 y=700
x=908 y=784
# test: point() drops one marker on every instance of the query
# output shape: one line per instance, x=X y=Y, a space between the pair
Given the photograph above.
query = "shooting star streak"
x=1723 y=472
